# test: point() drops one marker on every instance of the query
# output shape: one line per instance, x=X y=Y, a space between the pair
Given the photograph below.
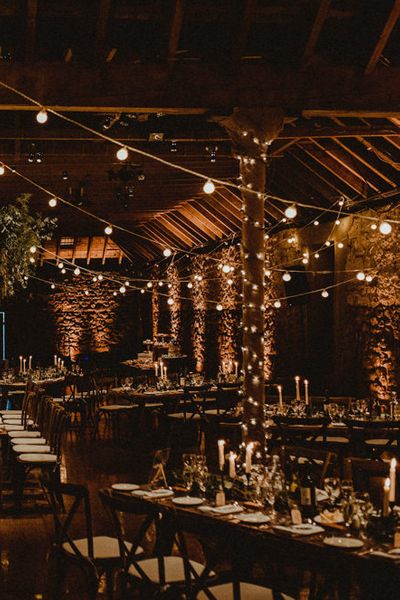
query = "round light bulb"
x=60 y=265
x=2 y=170
x=160 y=283
x=42 y=116
x=374 y=226
x=286 y=276
x=219 y=307
x=369 y=278
x=226 y=269
x=142 y=291
x=53 y=202
x=316 y=255
x=230 y=281
x=267 y=273
x=32 y=260
x=53 y=286
x=291 y=211
x=327 y=243
x=170 y=301
x=337 y=222
x=316 y=223
x=100 y=277
x=277 y=304
x=209 y=187
x=122 y=153
x=149 y=284
x=340 y=245
x=167 y=252
x=108 y=230
x=63 y=271
x=77 y=271
x=324 y=293
x=32 y=249
x=360 y=276
x=94 y=279
x=122 y=289
x=127 y=283
x=385 y=228
x=86 y=292
x=114 y=293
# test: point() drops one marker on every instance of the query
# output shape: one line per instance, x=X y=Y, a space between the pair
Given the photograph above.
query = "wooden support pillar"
x=252 y=131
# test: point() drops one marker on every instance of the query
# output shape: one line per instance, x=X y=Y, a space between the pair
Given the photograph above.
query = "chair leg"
x=109 y=583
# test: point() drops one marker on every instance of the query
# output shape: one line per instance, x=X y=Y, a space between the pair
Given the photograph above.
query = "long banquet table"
x=377 y=578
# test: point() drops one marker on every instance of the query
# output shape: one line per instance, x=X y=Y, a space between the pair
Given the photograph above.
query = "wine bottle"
x=307 y=493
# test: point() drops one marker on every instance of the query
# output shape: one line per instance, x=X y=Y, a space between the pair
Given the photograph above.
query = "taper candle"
x=306 y=392
x=221 y=454
x=297 y=380
x=386 y=493
x=392 y=477
x=232 y=465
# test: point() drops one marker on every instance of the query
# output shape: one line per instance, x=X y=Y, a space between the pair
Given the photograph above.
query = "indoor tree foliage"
x=19 y=230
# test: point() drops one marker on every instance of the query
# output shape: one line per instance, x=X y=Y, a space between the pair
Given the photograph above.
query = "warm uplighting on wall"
x=174 y=302
x=199 y=298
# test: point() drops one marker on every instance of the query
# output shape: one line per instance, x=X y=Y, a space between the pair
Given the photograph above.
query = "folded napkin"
x=158 y=493
x=227 y=509
x=382 y=554
x=297 y=530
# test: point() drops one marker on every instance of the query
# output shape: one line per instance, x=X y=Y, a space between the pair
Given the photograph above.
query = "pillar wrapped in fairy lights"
x=252 y=130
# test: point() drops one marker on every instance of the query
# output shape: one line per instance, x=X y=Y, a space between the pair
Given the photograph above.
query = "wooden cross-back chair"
x=65 y=571
x=103 y=551
x=161 y=571
x=302 y=431
x=371 y=438
x=322 y=462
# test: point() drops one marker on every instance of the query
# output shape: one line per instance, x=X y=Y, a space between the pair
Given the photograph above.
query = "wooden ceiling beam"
x=165 y=223
x=384 y=37
x=30 y=34
x=165 y=239
x=103 y=17
x=189 y=225
x=322 y=14
x=175 y=28
x=246 y=20
x=192 y=212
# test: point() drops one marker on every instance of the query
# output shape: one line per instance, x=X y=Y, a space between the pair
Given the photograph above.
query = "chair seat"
x=37 y=441
x=116 y=407
x=37 y=458
x=31 y=448
x=24 y=433
x=174 y=569
x=104 y=547
x=10 y=412
x=15 y=427
x=248 y=591
x=332 y=439
x=381 y=442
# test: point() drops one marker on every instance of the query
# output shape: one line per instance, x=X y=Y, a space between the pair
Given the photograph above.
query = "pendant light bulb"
x=291 y=211
x=209 y=187
x=122 y=153
x=108 y=230
x=42 y=116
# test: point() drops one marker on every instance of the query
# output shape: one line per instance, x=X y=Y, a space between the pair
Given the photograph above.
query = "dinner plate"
x=343 y=542
x=256 y=518
x=323 y=521
x=125 y=487
x=188 y=501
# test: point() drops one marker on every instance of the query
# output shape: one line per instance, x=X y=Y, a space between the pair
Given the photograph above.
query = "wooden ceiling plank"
x=231 y=206
x=334 y=167
x=202 y=219
x=341 y=160
x=312 y=169
x=103 y=17
x=165 y=239
x=30 y=35
x=89 y=247
x=366 y=163
x=222 y=226
x=103 y=258
x=166 y=223
x=191 y=226
x=223 y=214
x=175 y=28
x=320 y=18
x=185 y=229
x=384 y=37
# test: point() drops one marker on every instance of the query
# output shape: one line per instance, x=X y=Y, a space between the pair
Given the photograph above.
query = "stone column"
x=252 y=131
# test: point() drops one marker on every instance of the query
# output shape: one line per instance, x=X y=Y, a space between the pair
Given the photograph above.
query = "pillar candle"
x=249 y=454
x=232 y=466
x=306 y=391
x=20 y=364
x=386 y=493
x=297 y=380
x=221 y=454
x=392 y=477
x=30 y=363
x=280 y=396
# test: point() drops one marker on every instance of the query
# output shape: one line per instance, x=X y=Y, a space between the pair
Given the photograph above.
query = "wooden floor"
x=25 y=537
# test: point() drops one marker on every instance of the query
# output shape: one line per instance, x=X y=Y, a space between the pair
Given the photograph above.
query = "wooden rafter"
x=298 y=153
x=197 y=215
x=319 y=21
x=103 y=258
x=31 y=14
x=175 y=230
x=246 y=20
x=189 y=225
x=89 y=248
x=175 y=28
x=384 y=37
x=103 y=16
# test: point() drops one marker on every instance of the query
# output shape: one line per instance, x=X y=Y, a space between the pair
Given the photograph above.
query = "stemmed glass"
x=331 y=485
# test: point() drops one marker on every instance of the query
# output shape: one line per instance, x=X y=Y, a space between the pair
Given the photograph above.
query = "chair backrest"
x=62 y=523
x=321 y=461
x=227 y=397
x=118 y=506
x=368 y=475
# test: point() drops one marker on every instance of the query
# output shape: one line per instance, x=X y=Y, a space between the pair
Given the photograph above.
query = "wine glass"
x=331 y=485
x=346 y=488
